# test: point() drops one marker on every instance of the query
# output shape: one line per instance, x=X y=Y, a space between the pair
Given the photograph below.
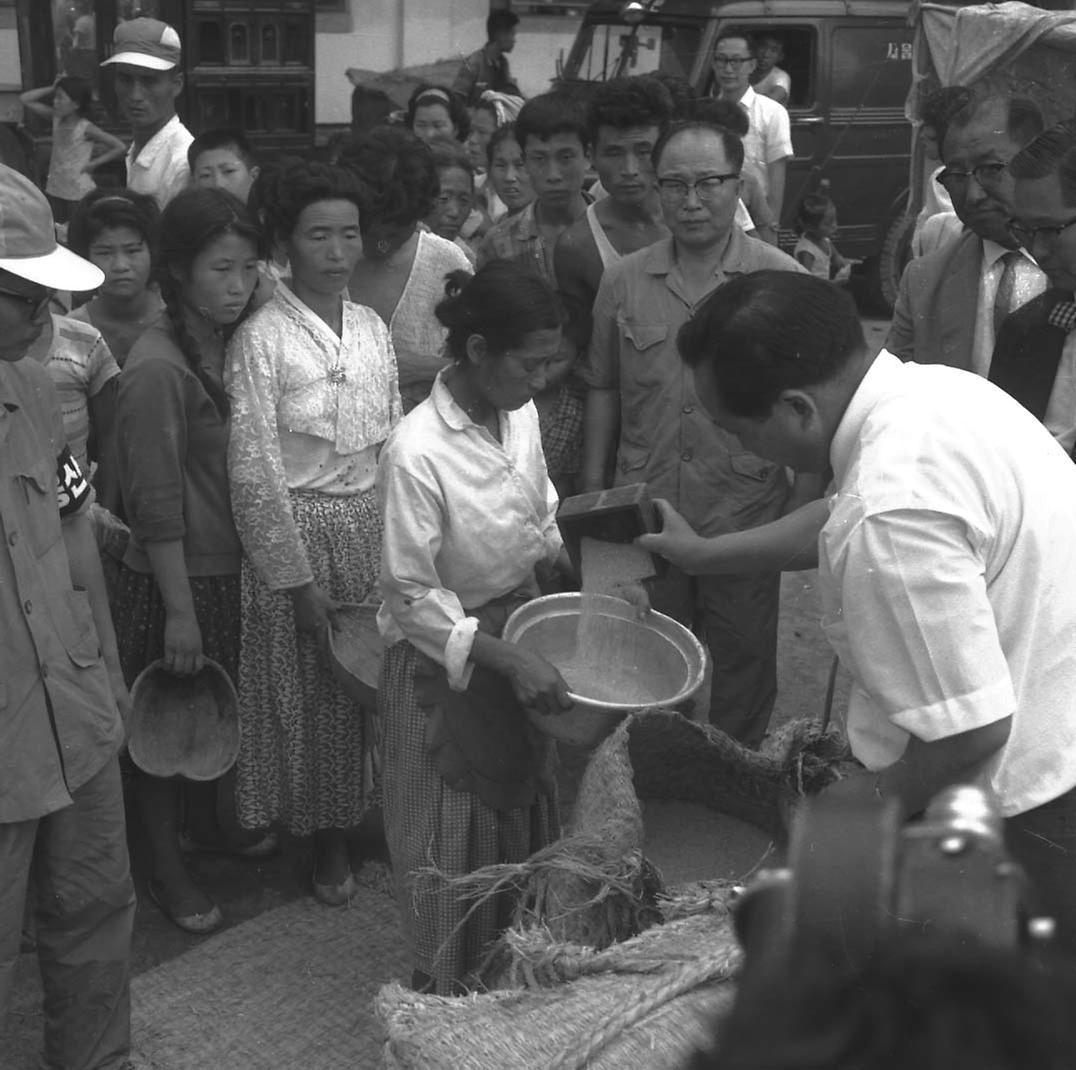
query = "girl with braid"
x=178 y=592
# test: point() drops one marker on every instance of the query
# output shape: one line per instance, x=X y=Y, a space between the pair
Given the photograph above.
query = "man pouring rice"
x=946 y=556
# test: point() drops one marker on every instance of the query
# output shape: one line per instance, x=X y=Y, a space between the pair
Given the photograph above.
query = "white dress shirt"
x=1060 y=415
x=947 y=568
x=1030 y=282
x=466 y=520
x=161 y=169
x=769 y=134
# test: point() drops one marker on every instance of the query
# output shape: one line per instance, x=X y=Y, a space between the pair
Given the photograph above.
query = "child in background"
x=74 y=137
x=455 y=199
x=816 y=222
x=223 y=159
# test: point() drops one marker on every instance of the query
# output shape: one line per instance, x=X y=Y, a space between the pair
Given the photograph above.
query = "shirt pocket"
x=752 y=467
x=41 y=519
x=641 y=350
x=77 y=630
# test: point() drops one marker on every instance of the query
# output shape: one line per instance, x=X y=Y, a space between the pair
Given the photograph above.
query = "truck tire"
x=894 y=256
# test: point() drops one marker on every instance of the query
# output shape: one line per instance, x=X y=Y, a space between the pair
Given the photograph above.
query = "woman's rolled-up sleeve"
x=428 y=614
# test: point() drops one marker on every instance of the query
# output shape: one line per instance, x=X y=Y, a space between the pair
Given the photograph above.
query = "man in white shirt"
x=1035 y=356
x=946 y=559
x=768 y=144
x=951 y=302
x=146 y=60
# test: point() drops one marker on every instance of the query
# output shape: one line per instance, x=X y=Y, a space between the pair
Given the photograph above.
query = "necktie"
x=1004 y=299
x=1063 y=316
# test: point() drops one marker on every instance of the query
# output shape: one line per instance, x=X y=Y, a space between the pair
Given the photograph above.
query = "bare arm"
x=599 y=434
x=775 y=185
x=85 y=568
x=33 y=100
x=113 y=147
x=927 y=768
x=536 y=682
x=182 y=636
x=787 y=544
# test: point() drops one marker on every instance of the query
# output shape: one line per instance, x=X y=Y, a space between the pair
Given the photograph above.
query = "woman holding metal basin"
x=469 y=516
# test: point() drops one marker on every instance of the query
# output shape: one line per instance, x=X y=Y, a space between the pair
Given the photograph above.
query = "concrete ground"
x=686 y=844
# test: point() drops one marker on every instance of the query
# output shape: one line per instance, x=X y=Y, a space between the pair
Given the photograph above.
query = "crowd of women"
x=245 y=370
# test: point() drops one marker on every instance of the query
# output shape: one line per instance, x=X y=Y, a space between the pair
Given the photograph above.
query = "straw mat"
x=289 y=990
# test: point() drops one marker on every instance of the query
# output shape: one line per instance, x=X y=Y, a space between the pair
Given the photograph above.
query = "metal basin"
x=656 y=656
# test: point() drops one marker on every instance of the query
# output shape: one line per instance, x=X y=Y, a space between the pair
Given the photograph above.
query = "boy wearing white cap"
x=146 y=55
x=61 y=803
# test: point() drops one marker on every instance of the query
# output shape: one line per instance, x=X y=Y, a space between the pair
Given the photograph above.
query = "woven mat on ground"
x=648 y=1004
x=289 y=990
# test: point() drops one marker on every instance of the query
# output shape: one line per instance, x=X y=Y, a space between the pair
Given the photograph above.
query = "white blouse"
x=466 y=520
x=309 y=412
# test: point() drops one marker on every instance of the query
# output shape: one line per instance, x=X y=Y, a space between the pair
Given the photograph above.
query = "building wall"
x=382 y=35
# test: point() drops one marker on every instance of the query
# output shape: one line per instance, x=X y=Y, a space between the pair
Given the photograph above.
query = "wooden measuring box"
x=620 y=514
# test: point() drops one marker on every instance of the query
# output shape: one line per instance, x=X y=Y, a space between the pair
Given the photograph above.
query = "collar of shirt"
x=157 y=144
x=748 y=98
x=442 y=400
x=993 y=252
x=874 y=384
x=661 y=256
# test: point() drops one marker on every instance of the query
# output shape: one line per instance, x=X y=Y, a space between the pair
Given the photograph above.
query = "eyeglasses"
x=1026 y=235
x=988 y=175
x=735 y=62
x=33 y=304
x=707 y=188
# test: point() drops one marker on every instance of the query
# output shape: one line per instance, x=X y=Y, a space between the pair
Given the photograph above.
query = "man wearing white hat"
x=61 y=803
x=146 y=55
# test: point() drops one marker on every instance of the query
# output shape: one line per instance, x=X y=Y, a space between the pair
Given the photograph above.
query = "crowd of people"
x=284 y=386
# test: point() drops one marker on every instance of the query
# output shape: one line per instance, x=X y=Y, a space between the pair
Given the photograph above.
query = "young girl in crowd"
x=816 y=222
x=401 y=272
x=74 y=139
x=469 y=513
x=508 y=189
x=178 y=596
x=433 y=111
x=313 y=383
x=483 y=124
x=114 y=229
x=455 y=198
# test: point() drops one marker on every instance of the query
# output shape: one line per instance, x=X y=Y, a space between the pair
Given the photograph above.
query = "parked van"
x=850 y=62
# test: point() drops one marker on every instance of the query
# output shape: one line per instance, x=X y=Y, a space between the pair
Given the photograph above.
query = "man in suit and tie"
x=952 y=302
x=1035 y=357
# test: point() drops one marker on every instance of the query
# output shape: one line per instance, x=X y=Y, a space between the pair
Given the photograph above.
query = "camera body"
x=855 y=877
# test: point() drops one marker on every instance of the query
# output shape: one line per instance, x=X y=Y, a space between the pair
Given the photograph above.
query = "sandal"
x=201 y=924
x=335 y=895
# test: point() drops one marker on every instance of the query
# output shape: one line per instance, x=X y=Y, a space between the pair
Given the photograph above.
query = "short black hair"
x=500 y=22
x=722 y=113
x=103 y=209
x=550 y=114
x=731 y=143
x=295 y=184
x=626 y=102
x=739 y=34
x=221 y=137
x=956 y=106
x=448 y=154
x=771 y=331
x=1052 y=152
x=396 y=175
x=812 y=210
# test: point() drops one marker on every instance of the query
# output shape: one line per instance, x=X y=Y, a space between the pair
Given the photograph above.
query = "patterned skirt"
x=428 y=823
x=138 y=615
x=302 y=743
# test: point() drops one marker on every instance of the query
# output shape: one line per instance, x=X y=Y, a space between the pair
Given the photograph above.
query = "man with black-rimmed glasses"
x=637 y=381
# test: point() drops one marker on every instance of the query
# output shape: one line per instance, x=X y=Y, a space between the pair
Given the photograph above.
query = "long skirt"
x=428 y=824
x=139 y=617
x=301 y=738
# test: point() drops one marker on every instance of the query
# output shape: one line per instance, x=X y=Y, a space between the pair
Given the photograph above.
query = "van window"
x=800 y=63
x=870 y=66
x=609 y=50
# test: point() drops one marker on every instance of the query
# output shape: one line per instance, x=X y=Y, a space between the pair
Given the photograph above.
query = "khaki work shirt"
x=58 y=719
x=667 y=439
